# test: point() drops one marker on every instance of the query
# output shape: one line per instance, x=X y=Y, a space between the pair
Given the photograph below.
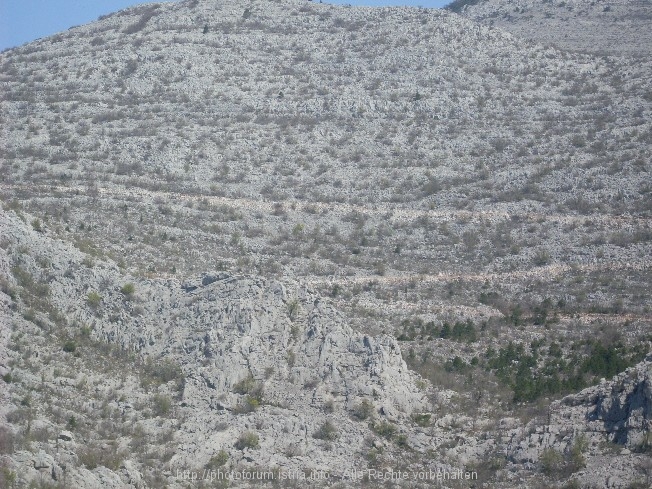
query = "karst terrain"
x=328 y=245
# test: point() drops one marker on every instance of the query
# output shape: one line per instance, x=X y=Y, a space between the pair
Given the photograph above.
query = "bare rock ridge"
x=289 y=237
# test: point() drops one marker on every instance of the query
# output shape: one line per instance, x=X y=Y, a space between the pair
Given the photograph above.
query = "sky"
x=22 y=21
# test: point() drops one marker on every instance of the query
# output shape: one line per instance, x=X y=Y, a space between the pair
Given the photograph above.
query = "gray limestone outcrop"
x=619 y=410
x=237 y=340
x=617 y=413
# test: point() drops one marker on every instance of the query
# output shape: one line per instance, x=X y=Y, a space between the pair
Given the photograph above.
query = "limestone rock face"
x=620 y=409
x=616 y=412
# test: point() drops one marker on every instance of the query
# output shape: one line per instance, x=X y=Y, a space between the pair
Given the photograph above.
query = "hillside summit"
x=600 y=27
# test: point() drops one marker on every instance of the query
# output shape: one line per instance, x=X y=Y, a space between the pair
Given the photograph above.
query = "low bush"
x=218 y=460
x=6 y=441
x=327 y=431
x=247 y=440
x=551 y=461
x=161 y=405
x=128 y=289
x=249 y=386
x=384 y=429
x=93 y=299
x=363 y=410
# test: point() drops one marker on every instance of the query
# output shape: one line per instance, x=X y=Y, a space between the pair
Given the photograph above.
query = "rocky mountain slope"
x=238 y=354
x=602 y=27
x=294 y=236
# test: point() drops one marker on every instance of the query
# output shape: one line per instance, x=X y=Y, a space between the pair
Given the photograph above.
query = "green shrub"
x=541 y=258
x=7 y=477
x=93 y=299
x=402 y=442
x=363 y=410
x=161 y=372
x=247 y=440
x=6 y=441
x=572 y=484
x=327 y=431
x=248 y=385
x=248 y=405
x=605 y=361
x=295 y=332
x=161 y=405
x=538 y=371
x=30 y=315
x=421 y=419
x=456 y=365
x=460 y=331
x=291 y=358
x=32 y=288
x=578 y=140
x=6 y=287
x=93 y=456
x=70 y=346
x=579 y=448
x=384 y=429
x=139 y=25
x=128 y=289
x=293 y=309
x=165 y=371
x=254 y=394
x=218 y=460
x=551 y=461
